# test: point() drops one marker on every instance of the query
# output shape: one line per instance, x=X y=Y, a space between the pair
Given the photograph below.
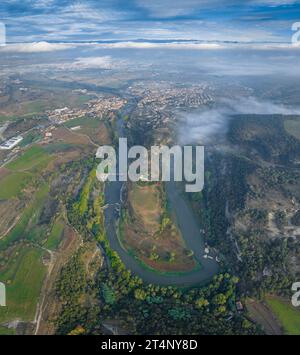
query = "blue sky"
x=128 y=20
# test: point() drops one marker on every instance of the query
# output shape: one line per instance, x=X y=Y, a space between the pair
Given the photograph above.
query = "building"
x=11 y=143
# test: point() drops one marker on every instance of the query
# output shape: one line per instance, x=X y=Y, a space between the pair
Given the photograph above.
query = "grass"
x=146 y=202
x=287 y=315
x=6 y=331
x=55 y=235
x=83 y=122
x=29 y=139
x=8 y=118
x=11 y=118
x=25 y=227
x=11 y=185
x=34 y=157
x=293 y=127
x=33 y=160
x=58 y=147
x=23 y=276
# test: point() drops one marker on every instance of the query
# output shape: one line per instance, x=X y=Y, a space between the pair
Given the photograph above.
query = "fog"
x=210 y=126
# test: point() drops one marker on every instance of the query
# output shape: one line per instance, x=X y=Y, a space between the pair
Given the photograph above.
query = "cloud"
x=210 y=126
x=166 y=45
x=251 y=105
x=35 y=47
x=275 y=2
x=32 y=20
x=104 y=62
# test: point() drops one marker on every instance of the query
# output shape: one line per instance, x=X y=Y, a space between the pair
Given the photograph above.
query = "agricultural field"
x=287 y=315
x=23 y=275
x=148 y=233
x=55 y=236
x=25 y=228
x=293 y=127
x=95 y=128
x=83 y=122
x=34 y=157
x=37 y=100
x=12 y=184
x=18 y=173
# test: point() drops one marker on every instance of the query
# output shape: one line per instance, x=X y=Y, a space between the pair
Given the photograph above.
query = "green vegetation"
x=55 y=236
x=34 y=157
x=25 y=226
x=293 y=127
x=88 y=122
x=114 y=293
x=8 y=118
x=23 y=276
x=12 y=184
x=58 y=147
x=85 y=193
x=29 y=139
x=7 y=331
x=287 y=315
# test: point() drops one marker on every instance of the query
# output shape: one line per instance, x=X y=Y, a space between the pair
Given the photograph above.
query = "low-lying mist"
x=210 y=126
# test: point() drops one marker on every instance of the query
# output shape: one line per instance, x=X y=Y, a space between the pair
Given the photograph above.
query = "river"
x=186 y=221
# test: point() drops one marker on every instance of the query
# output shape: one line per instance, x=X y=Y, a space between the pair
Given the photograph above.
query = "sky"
x=149 y=20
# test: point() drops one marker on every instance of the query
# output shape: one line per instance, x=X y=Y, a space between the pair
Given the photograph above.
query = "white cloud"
x=104 y=62
x=172 y=45
x=275 y=2
x=35 y=47
x=210 y=126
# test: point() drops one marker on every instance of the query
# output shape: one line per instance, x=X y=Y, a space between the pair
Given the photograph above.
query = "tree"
x=201 y=303
x=140 y=294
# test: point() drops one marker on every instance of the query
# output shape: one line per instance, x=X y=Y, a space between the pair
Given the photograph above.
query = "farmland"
x=12 y=184
x=23 y=276
x=287 y=315
x=55 y=236
x=25 y=227
x=293 y=127
x=34 y=157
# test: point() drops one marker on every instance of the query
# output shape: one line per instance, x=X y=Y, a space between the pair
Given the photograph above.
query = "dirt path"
x=40 y=306
x=261 y=314
x=48 y=307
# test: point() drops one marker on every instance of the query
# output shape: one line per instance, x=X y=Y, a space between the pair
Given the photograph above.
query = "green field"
x=23 y=277
x=26 y=227
x=34 y=157
x=85 y=122
x=293 y=127
x=7 y=118
x=288 y=316
x=55 y=236
x=6 y=331
x=15 y=117
x=29 y=139
x=58 y=147
x=12 y=184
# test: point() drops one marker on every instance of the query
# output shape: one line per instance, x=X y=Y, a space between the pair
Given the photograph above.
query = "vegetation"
x=24 y=229
x=288 y=315
x=138 y=308
x=23 y=275
x=12 y=184
x=32 y=158
x=55 y=236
